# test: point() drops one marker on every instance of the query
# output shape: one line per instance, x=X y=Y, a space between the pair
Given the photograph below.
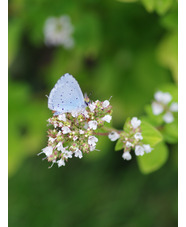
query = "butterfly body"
x=66 y=96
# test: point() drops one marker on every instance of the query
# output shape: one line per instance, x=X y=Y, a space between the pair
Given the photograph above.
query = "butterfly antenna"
x=110 y=98
x=46 y=96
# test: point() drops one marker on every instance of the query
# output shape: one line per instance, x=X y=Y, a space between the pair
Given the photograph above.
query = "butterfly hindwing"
x=66 y=96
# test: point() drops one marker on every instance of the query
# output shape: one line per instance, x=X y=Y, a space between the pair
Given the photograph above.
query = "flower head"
x=139 y=150
x=58 y=31
x=157 y=108
x=163 y=105
x=127 y=156
x=147 y=148
x=92 y=140
x=135 y=122
x=113 y=136
x=47 y=151
x=74 y=133
x=168 y=117
x=105 y=104
x=61 y=162
x=78 y=153
x=107 y=118
x=92 y=125
x=138 y=136
x=163 y=97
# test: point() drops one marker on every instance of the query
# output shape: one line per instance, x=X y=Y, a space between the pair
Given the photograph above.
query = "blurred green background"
x=124 y=49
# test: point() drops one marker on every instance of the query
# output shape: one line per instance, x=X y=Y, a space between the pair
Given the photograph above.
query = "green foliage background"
x=125 y=49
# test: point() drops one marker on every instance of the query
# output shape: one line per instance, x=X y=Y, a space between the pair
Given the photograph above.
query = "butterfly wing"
x=66 y=96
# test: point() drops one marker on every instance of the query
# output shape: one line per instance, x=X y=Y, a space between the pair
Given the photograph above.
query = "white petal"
x=168 y=117
x=138 y=136
x=92 y=106
x=107 y=118
x=48 y=150
x=92 y=140
x=61 y=162
x=157 y=108
x=128 y=144
x=139 y=150
x=135 y=122
x=105 y=104
x=126 y=155
x=147 y=148
x=92 y=125
x=174 y=107
x=113 y=136
x=62 y=117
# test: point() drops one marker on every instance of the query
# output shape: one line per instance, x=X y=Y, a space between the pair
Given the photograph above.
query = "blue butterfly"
x=66 y=96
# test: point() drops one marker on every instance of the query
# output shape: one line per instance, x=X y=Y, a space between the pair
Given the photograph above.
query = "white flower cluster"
x=131 y=140
x=162 y=104
x=58 y=31
x=74 y=133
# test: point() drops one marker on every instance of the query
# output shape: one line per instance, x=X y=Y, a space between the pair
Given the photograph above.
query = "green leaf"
x=170 y=132
x=149 y=5
x=153 y=161
x=128 y=1
x=150 y=134
x=119 y=145
x=160 y=6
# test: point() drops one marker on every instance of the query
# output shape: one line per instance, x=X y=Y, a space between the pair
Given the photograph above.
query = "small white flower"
x=126 y=155
x=147 y=148
x=128 y=144
x=174 y=107
x=75 y=138
x=107 y=118
x=66 y=130
x=138 y=136
x=78 y=153
x=85 y=113
x=92 y=148
x=162 y=97
x=81 y=131
x=60 y=124
x=135 y=122
x=92 y=106
x=139 y=150
x=55 y=124
x=61 y=162
x=50 y=139
x=62 y=117
x=105 y=104
x=59 y=133
x=67 y=154
x=92 y=125
x=157 y=108
x=168 y=117
x=113 y=136
x=75 y=113
x=47 y=150
x=60 y=147
x=58 y=31
x=92 y=140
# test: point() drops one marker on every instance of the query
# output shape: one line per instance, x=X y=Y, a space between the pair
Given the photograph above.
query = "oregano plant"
x=75 y=133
